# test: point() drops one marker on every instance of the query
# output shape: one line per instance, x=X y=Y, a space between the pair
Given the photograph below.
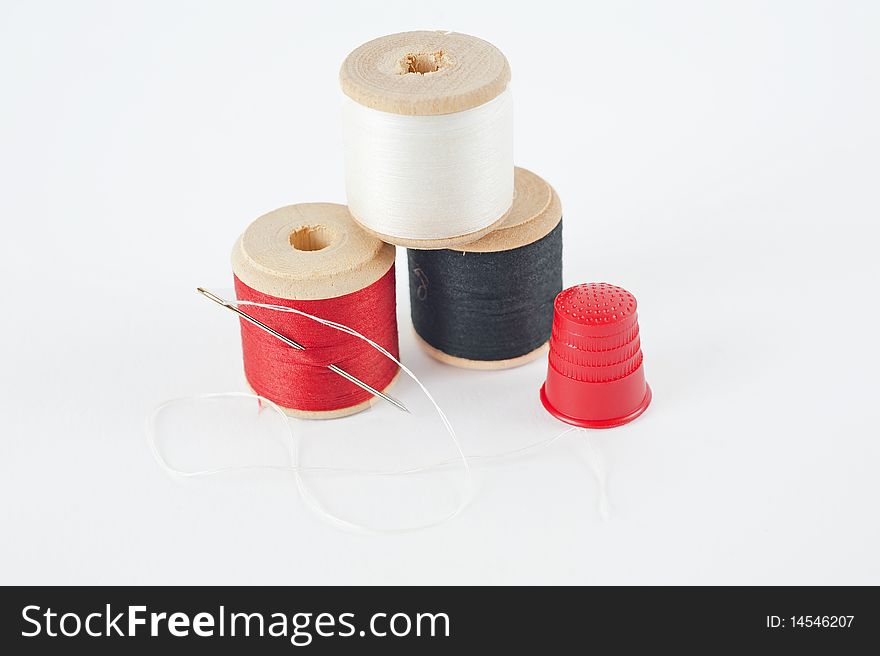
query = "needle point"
x=294 y=344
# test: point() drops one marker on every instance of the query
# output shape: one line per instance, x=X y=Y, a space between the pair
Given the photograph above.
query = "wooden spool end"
x=311 y=251
x=434 y=244
x=483 y=365
x=339 y=412
x=536 y=211
x=424 y=73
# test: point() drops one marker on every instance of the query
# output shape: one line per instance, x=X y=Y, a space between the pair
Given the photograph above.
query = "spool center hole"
x=311 y=238
x=422 y=62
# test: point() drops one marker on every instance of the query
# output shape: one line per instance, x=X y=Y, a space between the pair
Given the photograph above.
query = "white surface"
x=719 y=161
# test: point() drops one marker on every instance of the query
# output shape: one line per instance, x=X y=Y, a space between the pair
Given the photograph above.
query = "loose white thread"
x=429 y=177
x=596 y=462
x=311 y=501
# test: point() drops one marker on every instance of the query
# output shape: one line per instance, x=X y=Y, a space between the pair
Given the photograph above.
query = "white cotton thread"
x=312 y=502
x=429 y=177
x=595 y=459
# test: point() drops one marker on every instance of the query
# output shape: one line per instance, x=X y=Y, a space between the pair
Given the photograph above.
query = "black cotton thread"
x=486 y=306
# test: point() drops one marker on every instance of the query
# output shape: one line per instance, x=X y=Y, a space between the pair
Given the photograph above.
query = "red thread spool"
x=314 y=258
x=595 y=374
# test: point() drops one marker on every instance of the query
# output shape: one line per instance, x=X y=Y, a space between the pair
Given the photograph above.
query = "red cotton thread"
x=299 y=379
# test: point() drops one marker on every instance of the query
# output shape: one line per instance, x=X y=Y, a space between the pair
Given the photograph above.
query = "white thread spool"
x=428 y=133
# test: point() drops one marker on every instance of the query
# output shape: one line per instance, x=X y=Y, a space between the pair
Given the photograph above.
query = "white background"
x=719 y=160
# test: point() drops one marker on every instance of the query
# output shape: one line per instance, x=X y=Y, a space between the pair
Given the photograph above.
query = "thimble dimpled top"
x=595 y=375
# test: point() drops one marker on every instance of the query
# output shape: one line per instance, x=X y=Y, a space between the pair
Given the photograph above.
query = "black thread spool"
x=489 y=304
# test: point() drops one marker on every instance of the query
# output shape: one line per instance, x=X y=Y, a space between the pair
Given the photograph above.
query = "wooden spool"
x=426 y=73
x=536 y=211
x=311 y=251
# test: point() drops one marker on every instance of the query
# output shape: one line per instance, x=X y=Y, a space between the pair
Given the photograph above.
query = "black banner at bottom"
x=106 y=620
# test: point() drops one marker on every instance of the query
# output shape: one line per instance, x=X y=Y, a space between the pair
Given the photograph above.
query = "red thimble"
x=595 y=377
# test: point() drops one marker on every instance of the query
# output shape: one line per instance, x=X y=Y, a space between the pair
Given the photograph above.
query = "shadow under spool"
x=489 y=304
x=313 y=257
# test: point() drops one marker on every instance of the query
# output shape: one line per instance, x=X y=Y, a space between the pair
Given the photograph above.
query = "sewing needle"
x=300 y=347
